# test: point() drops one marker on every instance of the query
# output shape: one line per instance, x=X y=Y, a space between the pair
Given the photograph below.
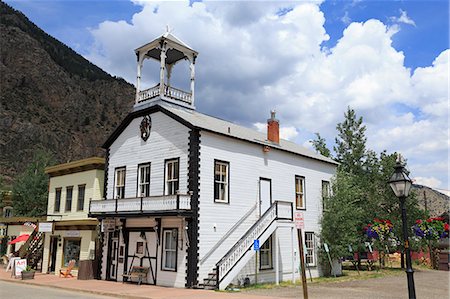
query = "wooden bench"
x=137 y=272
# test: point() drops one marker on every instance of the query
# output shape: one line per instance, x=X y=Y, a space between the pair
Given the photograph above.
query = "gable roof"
x=193 y=119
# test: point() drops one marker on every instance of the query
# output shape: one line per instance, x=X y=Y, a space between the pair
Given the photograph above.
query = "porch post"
x=277 y=260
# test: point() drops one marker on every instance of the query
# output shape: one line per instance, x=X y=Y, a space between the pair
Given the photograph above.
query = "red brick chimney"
x=273 y=128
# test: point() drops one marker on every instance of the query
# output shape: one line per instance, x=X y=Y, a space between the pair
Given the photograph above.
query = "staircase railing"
x=235 y=254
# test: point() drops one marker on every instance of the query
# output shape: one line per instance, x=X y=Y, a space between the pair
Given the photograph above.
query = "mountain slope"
x=51 y=98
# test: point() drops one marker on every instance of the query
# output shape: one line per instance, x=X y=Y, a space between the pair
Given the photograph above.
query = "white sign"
x=108 y=224
x=19 y=266
x=325 y=245
x=72 y=233
x=299 y=220
x=46 y=227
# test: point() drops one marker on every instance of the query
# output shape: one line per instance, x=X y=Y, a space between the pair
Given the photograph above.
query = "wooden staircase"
x=238 y=256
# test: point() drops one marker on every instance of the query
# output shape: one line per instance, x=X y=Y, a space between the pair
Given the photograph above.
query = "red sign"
x=299 y=220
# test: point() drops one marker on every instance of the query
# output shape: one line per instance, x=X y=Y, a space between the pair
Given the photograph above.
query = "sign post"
x=300 y=224
x=327 y=250
x=256 y=248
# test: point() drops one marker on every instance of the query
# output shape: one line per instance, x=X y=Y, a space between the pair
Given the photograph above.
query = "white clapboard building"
x=186 y=194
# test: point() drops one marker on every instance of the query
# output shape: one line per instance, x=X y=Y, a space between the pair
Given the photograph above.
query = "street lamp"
x=401 y=185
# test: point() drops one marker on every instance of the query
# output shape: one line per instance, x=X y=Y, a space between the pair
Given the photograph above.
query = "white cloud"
x=253 y=59
x=403 y=18
x=346 y=19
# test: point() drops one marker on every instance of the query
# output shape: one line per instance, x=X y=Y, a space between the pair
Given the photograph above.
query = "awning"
x=21 y=238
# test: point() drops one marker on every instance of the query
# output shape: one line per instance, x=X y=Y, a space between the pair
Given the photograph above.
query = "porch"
x=177 y=204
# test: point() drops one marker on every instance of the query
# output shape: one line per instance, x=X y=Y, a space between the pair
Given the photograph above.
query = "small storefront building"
x=73 y=235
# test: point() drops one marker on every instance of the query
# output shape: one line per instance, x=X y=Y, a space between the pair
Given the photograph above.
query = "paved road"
x=429 y=285
x=22 y=291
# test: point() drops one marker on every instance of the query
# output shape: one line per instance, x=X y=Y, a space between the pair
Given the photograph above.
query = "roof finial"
x=168 y=29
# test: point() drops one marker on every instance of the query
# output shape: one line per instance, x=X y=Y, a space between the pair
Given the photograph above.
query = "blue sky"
x=309 y=60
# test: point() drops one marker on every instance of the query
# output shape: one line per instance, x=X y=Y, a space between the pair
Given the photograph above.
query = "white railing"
x=284 y=210
x=142 y=204
x=169 y=91
x=233 y=256
x=178 y=94
x=149 y=93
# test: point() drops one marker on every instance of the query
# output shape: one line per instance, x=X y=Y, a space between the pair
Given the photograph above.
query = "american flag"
x=30 y=224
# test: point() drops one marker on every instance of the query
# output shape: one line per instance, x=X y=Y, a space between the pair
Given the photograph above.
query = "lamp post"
x=401 y=185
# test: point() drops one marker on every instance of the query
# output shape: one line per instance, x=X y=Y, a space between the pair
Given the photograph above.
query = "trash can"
x=86 y=270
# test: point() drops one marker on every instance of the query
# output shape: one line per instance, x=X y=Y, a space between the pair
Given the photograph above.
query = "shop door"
x=113 y=261
x=53 y=250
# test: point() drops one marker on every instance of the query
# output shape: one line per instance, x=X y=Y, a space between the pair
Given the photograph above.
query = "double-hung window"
x=265 y=252
x=172 y=176
x=326 y=192
x=57 y=199
x=144 y=180
x=120 y=182
x=300 y=192
x=221 y=179
x=169 y=261
x=69 y=193
x=81 y=193
x=310 y=248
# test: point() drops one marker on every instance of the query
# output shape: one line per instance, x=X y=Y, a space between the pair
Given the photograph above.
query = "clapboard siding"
x=248 y=163
x=168 y=139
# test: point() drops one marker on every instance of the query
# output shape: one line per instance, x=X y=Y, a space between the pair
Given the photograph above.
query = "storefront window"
x=71 y=251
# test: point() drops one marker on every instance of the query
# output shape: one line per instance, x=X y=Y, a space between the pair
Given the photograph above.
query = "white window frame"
x=7 y=212
x=143 y=185
x=80 y=200
x=300 y=192
x=222 y=182
x=266 y=249
x=310 y=244
x=58 y=191
x=69 y=203
x=172 y=176
x=119 y=182
x=168 y=234
x=326 y=192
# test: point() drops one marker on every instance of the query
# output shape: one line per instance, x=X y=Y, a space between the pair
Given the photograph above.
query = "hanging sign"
x=299 y=220
x=108 y=224
x=46 y=227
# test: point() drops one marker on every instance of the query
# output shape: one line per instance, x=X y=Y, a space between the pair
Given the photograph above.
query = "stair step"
x=207 y=286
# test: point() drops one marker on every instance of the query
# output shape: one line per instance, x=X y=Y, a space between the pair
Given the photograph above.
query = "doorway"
x=52 y=253
x=265 y=195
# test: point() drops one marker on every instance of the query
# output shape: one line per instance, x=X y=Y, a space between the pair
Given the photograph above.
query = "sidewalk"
x=121 y=290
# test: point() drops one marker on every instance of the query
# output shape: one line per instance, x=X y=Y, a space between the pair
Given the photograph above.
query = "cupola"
x=168 y=50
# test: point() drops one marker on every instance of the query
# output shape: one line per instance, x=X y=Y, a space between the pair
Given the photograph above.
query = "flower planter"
x=27 y=275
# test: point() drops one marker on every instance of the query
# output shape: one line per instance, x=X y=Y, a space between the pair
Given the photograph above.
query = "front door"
x=113 y=261
x=52 y=254
x=265 y=195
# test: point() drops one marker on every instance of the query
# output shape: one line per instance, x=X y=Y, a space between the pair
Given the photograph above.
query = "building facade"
x=74 y=235
x=187 y=194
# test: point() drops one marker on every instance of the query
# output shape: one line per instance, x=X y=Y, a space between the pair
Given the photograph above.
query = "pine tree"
x=320 y=146
x=30 y=190
x=351 y=143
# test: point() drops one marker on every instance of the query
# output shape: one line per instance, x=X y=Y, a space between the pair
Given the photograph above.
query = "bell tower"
x=168 y=50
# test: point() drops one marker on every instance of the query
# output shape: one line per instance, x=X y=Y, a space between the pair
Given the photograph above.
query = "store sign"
x=72 y=233
x=46 y=227
x=19 y=266
x=299 y=220
x=108 y=224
